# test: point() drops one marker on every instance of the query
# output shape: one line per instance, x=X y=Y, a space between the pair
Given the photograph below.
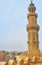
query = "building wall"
x=2 y=55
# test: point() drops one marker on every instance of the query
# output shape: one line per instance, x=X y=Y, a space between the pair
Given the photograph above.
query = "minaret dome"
x=31 y=7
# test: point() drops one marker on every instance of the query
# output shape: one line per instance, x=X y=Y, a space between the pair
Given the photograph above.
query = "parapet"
x=29 y=61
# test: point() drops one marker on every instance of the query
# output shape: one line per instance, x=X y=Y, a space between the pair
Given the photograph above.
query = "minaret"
x=32 y=30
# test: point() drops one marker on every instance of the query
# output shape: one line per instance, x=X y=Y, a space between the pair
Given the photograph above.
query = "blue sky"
x=13 y=21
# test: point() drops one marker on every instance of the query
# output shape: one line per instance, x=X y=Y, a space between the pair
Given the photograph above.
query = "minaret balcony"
x=33 y=42
x=31 y=14
x=32 y=27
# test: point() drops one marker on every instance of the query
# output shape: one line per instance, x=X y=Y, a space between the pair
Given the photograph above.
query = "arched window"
x=33 y=35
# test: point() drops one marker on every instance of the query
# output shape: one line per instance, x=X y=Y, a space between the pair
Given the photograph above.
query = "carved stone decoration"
x=32 y=29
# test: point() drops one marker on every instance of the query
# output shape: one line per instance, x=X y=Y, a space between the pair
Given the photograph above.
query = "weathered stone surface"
x=32 y=30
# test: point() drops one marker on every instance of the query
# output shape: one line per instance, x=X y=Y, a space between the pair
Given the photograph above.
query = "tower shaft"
x=32 y=30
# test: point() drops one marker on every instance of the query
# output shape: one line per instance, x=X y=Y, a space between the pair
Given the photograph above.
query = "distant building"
x=2 y=55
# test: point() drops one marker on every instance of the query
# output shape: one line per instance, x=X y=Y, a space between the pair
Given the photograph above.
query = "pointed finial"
x=31 y=1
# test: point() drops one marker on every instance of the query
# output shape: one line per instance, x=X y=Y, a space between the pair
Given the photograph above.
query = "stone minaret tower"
x=32 y=29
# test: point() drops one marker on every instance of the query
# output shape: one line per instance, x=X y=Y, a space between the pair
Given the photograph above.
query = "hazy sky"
x=13 y=21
